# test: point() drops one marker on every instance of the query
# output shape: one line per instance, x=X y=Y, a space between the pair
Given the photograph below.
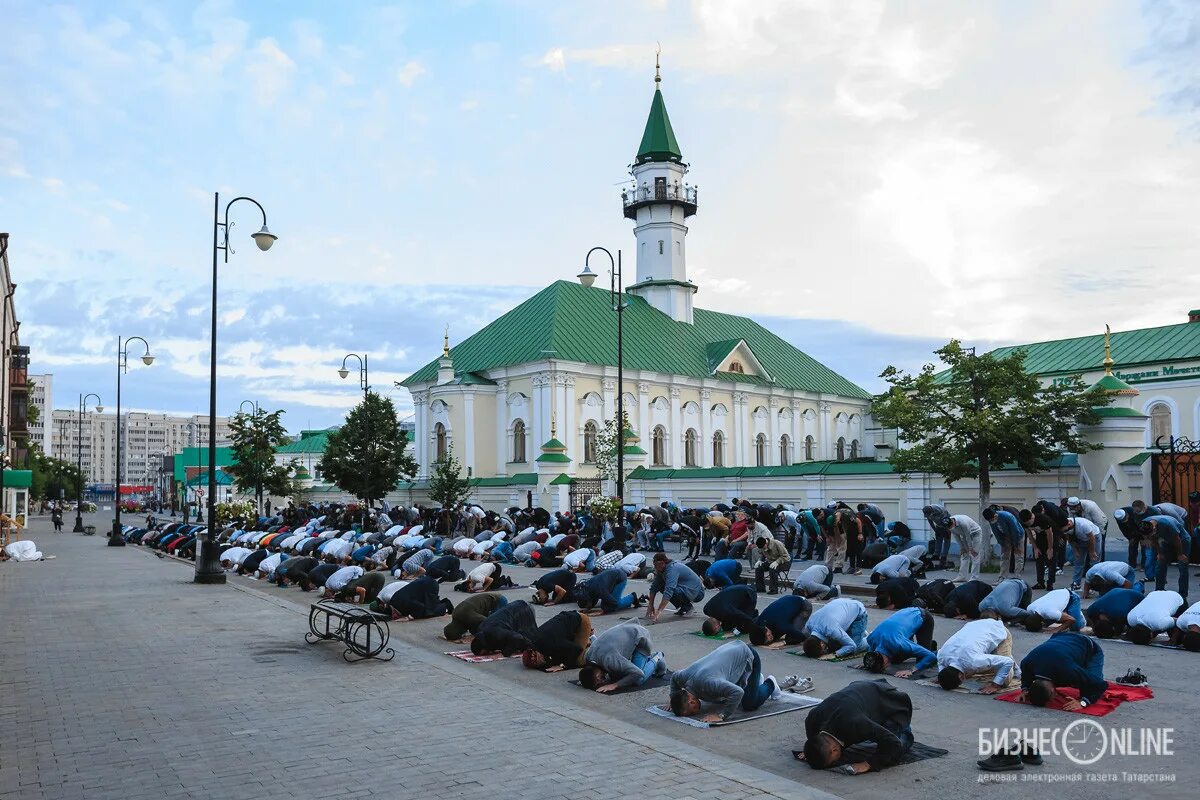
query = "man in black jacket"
x=734 y=607
x=896 y=593
x=963 y=601
x=865 y=711
x=508 y=630
x=419 y=600
x=559 y=642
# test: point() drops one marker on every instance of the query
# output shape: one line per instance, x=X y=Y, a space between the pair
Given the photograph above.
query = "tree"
x=366 y=456
x=447 y=486
x=982 y=414
x=52 y=478
x=607 y=442
x=254 y=439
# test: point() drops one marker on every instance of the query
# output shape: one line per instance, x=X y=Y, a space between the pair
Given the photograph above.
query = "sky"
x=875 y=178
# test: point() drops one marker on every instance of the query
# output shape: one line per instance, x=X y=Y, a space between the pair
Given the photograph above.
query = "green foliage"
x=990 y=413
x=366 y=457
x=447 y=485
x=254 y=438
x=52 y=478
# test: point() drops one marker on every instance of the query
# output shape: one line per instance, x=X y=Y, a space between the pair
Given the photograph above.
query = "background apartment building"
x=147 y=439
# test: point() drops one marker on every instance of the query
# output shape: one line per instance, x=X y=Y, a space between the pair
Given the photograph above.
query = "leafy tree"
x=984 y=413
x=52 y=478
x=607 y=442
x=366 y=456
x=254 y=439
x=447 y=485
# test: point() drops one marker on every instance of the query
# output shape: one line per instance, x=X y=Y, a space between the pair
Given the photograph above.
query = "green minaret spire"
x=658 y=140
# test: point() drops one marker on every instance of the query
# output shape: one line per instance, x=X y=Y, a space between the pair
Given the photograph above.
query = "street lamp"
x=115 y=539
x=83 y=398
x=616 y=291
x=365 y=385
x=254 y=405
x=208 y=568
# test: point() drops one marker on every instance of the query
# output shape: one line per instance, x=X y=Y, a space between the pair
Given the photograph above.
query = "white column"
x=773 y=426
x=571 y=434
x=609 y=386
x=468 y=434
x=676 y=429
x=643 y=422
x=501 y=427
x=739 y=433
x=826 y=445
x=747 y=438
x=705 y=454
x=797 y=436
x=420 y=434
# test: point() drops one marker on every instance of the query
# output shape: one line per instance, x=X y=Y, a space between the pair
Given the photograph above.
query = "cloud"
x=408 y=74
x=554 y=60
x=270 y=71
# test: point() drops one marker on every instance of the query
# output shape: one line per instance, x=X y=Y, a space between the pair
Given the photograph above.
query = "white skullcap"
x=1072 y=501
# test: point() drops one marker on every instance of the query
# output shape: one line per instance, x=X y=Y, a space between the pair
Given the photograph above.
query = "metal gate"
x=1175 y=469
x=583 y=490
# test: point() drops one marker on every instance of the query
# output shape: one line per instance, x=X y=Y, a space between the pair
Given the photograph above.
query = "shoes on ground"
x=1001 y=762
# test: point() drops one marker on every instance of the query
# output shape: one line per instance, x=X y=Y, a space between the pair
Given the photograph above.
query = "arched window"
x=659 y=438
x=518 y=444
x=589 y=443
x=809 y=447
x=736 y=366
x=760 y=450
x=1160 y=423
x=853 y=449
x=690 y=446
x=785 y=450
x=841 y=448
x=718 y=449
x=439 y=436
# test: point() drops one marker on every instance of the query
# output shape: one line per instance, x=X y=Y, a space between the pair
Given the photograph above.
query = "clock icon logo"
x=1084 y=741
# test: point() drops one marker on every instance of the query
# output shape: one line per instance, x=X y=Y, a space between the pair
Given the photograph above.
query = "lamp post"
x=83 y=398
x=616 y=291
x=258 y=482
x=208 y=569
x=364 y=384
x=4 y=368
x=114 y=538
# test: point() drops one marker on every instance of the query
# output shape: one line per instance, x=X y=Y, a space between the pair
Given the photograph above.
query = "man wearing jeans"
x=1058 y=609
x=676 y=583
x=1010 y=533
x=969 y=536
x=1084 y=537
x=1173 y=544
x=773 y=558
x=730 y=677
x=939 y=522
x=621 y=657
x=604 y=589
x=840 y=627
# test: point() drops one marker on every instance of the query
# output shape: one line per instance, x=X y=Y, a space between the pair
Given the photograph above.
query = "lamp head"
x=264 y=238
x=587 y=277
x=99 y=409
x=343 y=372
x=147 y=359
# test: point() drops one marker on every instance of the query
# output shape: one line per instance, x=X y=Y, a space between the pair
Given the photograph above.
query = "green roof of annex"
x=567 y=322
x=1163 y=344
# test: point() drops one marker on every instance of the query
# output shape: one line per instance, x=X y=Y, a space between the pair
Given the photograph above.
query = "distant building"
x=41 y=397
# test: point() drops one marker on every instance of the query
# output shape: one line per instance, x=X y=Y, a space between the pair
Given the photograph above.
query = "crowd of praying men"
x=349 y=555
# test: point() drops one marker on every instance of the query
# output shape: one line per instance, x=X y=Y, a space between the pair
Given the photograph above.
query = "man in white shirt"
x=1089 y=511
x=1154 y=615
x=234 y=556
x=1084 y=537
x=969 y=536
x=981 y=647
x=1054 y=611
x=338 y=580
x=816 y=581
x=482 y=578
x=1187 y=629
x=1109 y=575
x=582 y=559
x=633 y=565
x=905 y=564
x=336 y=550
x=266 y=567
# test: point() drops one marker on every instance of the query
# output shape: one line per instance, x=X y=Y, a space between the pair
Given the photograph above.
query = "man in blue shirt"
x=676 y=583
x=783 y=620
x=839 y=627
x=604 y=589
x=906 y=634
x=1109 y=615
x=1066 y=660
x=1010 y=533
x=1174 y=545
x=723 y=572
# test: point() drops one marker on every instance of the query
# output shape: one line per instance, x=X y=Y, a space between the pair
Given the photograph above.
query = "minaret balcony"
x=685 y=196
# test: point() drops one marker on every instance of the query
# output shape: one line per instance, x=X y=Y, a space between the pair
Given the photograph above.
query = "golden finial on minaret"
x=553 y=425
x=446 y=342
x=657 y=73
x=1108 y=359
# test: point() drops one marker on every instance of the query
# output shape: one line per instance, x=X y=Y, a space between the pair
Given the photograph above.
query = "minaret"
x=445 y=363
x=659 y=202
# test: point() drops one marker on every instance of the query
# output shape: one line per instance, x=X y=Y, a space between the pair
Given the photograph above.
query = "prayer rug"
x=658 y=682
x=862 y=752
x=471 y=658
x=785 y=703
x=718 y=636
x=1113 y=696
